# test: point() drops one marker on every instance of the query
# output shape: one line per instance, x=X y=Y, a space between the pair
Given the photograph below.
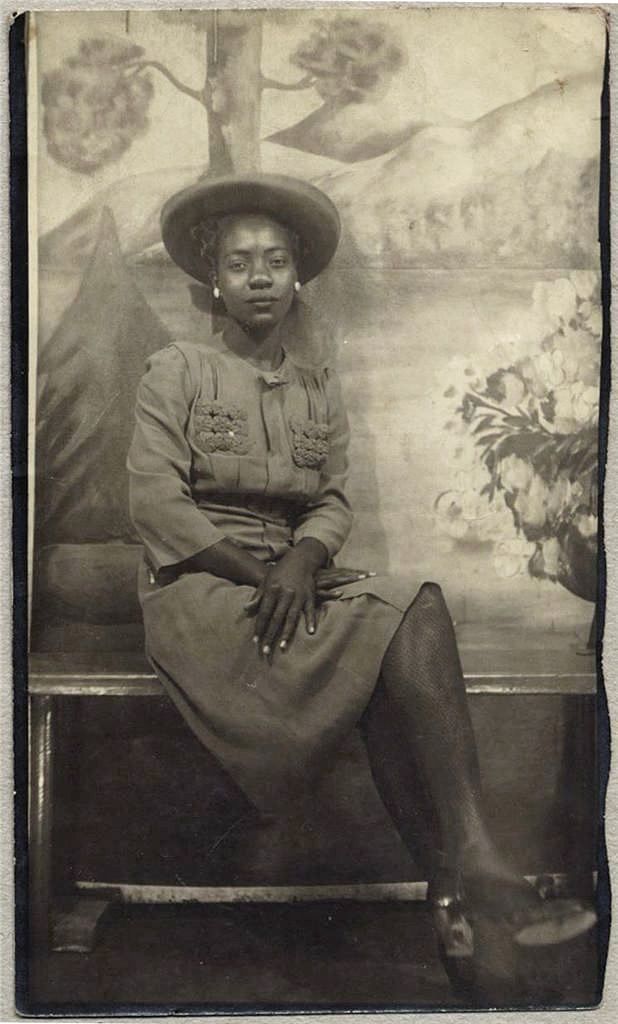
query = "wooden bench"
x=497 y=662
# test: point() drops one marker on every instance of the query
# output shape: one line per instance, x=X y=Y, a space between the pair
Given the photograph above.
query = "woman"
x=237 y=473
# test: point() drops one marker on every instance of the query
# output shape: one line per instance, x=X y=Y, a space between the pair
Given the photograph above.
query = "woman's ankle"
x=480 y=857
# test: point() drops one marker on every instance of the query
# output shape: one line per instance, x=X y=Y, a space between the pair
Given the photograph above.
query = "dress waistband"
x=278 y=510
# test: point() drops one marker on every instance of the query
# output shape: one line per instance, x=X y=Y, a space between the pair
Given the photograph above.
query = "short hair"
x=208 y=233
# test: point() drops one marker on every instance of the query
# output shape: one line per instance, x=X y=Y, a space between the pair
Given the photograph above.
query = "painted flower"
x=536 y=383
x=541 y=506
x=515 y=474
x=469 y=406
x=449 y=509
x=581 y=354
x=555 y=301
x=538 y=402
x=530 y=504
x=585 y=282
x=551 y=554
x=511 y=557
x=586 y=525
x=559 y=497
x=465 y=515
x=550 y=367
x=575 y=405
x=592 y=318
x=460 y=368
x=507 y=387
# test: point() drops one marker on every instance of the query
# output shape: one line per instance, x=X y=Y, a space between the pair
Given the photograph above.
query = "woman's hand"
x=327 y=580
x=286 y=591
x=290 y=588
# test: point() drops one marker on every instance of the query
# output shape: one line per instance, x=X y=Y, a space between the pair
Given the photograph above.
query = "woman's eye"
x=237 y=265
x=279 y=261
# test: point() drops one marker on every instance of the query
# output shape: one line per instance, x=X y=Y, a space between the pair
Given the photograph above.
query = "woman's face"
x=255 y=270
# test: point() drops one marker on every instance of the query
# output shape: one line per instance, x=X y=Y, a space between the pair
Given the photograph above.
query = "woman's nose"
x=260 y=278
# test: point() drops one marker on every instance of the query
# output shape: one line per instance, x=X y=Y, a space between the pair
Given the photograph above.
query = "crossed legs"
x=422 y=749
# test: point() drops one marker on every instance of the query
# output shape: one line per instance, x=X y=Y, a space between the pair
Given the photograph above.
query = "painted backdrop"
x=462 y=149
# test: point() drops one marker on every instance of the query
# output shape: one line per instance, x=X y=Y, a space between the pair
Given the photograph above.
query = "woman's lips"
x=264 y=303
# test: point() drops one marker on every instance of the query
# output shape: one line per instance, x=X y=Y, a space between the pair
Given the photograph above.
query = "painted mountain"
x=88 y=373
x=134 y=203
x=513 y=188
x=352 y=132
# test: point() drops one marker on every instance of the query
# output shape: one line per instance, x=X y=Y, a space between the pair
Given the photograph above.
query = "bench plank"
x=496 y=659
x=500 y=661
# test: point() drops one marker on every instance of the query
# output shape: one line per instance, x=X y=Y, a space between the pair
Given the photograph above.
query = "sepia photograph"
x=318 y=371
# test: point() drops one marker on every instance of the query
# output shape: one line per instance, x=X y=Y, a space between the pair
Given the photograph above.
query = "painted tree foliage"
x=97 y=102
x=348 y=59
x=350 y=62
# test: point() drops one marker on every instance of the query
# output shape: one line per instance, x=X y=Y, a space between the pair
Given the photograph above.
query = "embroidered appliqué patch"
x=309 y=443
x=221 y=427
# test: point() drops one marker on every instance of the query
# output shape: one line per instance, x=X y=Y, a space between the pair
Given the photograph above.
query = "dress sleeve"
x=329 y=517
x=167 y=519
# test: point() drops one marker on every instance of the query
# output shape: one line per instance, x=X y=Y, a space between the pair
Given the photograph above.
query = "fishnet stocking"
x=421 y=746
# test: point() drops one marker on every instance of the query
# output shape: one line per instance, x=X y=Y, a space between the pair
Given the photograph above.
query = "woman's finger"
x=267 y=607
x=290 y=624
x=334 y=571
x=340 y=570
x=328 y=595
x=346 y=570
x=340 y=579
x=277 y=620
x=254 y=602
x=310 y=618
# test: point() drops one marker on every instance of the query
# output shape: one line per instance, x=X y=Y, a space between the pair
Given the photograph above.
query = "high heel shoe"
x=484 y=929
x=531 y=919
x=455 y=936
x=452 y=926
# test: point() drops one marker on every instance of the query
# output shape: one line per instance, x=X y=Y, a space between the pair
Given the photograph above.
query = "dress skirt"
x=274 y=723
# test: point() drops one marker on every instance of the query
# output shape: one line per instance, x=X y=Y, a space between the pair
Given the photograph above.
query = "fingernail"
x=372 y=574
x=312 y=629
x=283 y=645
x=265 y=649
x=256 y=639
x=337 y=593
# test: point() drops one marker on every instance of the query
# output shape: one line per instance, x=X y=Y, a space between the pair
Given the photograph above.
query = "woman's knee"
x=430 y=596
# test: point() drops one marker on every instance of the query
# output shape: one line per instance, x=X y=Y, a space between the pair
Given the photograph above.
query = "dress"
x=222 y=449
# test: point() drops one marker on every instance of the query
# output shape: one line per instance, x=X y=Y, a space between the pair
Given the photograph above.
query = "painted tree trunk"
x=235 y=80
x=219 y=156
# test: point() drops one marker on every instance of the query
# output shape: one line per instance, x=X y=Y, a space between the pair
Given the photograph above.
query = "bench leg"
x=42 y=726
x=584 y=814
x=77 y=930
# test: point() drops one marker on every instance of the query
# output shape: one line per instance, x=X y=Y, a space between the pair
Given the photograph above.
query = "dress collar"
x=275 y=378
x=230 y=337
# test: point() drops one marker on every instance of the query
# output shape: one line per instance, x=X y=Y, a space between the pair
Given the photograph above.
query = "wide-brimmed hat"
x=290 y=201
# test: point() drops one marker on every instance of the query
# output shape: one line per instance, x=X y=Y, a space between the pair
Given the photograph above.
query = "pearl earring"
x=297 y=286
x=216 y=293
